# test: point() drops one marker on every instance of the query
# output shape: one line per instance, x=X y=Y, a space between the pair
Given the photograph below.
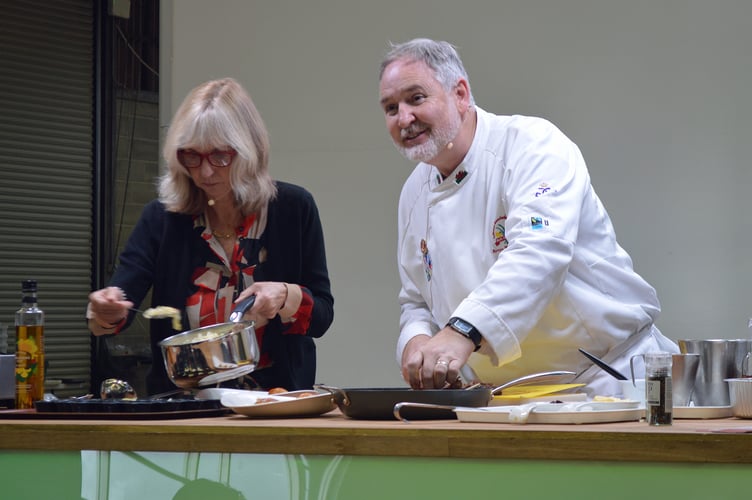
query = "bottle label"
x=658 y=400
x=29 y=365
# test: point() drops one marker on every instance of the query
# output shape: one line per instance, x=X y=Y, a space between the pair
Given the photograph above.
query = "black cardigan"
x=165 y=248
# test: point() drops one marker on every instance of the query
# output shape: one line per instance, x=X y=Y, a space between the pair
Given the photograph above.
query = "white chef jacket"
x=516 y=242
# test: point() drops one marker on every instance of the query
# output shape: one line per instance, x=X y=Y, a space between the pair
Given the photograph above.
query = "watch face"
x=466 y=329
x=462 y=326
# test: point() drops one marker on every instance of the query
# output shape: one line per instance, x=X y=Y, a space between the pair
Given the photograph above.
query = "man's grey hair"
x=440 y=56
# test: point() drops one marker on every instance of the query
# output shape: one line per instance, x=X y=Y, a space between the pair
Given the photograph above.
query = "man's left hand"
x=436 y=363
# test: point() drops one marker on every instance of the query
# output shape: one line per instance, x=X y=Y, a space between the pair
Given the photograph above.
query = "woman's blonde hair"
x=218 y=114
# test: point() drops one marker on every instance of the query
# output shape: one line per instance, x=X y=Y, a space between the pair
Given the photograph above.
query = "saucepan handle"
x=242 y=307
x=631 y=366
x=747 y=364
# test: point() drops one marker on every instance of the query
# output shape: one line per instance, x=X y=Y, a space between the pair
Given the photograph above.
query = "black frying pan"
x=379 y=403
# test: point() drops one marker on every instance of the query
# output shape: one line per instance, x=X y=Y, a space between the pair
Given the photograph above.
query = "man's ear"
x=462 y=95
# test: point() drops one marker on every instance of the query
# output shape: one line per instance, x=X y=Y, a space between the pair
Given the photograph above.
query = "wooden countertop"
x=693 y=441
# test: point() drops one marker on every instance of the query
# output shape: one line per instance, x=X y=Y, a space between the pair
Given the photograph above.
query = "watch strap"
x=464 y=328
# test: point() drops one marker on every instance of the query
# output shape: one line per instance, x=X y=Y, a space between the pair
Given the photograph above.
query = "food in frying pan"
x=160 y=312
x=277 y=390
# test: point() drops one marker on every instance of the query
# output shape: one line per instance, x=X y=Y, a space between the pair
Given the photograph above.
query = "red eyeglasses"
x=216 y=158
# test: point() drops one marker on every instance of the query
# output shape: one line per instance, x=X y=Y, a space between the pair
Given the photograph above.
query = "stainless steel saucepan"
x=213 y=354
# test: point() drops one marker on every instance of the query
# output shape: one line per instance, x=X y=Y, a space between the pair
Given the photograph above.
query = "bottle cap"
x=29 y=286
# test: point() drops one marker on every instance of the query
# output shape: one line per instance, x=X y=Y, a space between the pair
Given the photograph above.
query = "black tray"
x=112 y=408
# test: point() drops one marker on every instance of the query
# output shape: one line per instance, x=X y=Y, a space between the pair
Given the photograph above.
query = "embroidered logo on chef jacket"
x=543 y=188
x=427 y=264
x=499 y=235
x=537 y=223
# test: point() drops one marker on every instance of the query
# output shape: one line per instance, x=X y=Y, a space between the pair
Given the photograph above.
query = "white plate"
x=564 y=398
x=285 y=405
x=591 y=412
x=703 y=412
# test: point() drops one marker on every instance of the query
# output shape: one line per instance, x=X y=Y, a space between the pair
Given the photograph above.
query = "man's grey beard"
x=438 y=139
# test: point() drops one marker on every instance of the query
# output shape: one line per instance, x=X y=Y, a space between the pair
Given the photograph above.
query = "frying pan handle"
x=336 y=391
x=242 y=307
x=406 y=404
x=537 y=377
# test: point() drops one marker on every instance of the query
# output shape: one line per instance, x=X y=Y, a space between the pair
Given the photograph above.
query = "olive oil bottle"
x=29 y=348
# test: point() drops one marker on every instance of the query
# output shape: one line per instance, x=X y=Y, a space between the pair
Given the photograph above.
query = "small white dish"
x=633 y=390
x=702 y=412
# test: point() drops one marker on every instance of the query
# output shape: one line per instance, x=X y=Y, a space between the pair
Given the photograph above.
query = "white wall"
x=655 y=92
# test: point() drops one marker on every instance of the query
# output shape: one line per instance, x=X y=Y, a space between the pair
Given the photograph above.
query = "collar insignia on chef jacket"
x=459 y=176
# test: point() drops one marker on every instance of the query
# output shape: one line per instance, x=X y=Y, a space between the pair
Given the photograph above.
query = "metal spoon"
x=535 y=377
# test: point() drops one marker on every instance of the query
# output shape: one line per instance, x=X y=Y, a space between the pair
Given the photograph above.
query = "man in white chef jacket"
x=507 y=258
